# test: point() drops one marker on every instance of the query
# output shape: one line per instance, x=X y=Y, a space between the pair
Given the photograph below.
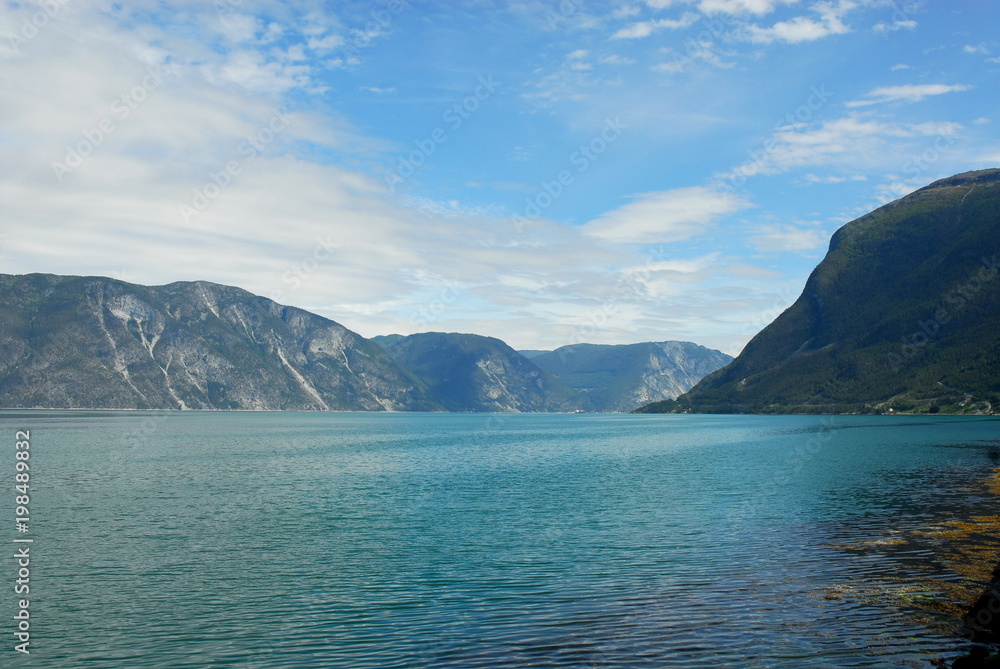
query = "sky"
x=545 y=172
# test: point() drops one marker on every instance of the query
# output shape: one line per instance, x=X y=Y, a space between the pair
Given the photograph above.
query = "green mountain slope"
x=468 y=372
x=92 y=342
x=621 y=378
x=902 y=313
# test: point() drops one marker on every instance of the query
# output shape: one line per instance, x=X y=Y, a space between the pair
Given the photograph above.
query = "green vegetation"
x=902 y=315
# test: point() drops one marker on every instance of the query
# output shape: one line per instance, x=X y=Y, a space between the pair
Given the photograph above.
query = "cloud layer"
x=249 y=143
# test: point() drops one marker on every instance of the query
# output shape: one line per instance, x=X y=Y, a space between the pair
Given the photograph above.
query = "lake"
x=265 y=540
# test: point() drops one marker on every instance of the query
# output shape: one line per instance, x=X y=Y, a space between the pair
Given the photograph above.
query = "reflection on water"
x=408 y=540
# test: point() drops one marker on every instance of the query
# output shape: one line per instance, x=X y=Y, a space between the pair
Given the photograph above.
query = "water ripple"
x=260 y=541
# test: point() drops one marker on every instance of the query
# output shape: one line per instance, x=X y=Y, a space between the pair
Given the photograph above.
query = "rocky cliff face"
x=621 y=378
x=90 y=342
x=469 y=372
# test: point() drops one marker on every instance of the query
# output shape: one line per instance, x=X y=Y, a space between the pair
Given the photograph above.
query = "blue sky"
x=543 y=172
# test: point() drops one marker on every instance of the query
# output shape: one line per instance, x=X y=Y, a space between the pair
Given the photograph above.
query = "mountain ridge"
x=901 y=314
x=469 y=372
x=619 y=378
x=101 y=343
x=87 y=342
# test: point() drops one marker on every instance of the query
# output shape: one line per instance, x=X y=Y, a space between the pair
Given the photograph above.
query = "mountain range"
x=468 y=372
x=621 y=378
x=903 y=314
x=94 y=342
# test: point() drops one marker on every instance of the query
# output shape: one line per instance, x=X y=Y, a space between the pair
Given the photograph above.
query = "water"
x=264 y=540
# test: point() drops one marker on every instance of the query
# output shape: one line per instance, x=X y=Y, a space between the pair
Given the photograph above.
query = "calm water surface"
x=265 y=540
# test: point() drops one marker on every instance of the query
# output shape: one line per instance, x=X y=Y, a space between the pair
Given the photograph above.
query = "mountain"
x=621 y=378
x=91 y=342
x=903 y=313
x=385 y=340
x=469 y=372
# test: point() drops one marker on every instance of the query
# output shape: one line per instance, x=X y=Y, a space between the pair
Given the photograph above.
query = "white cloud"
x=319 y=236
x=897 y=188
x=908 y=93
x=694 y=53
x=883 y=28
x=647 y=28
x=976 y=49
x=615 y=59
x=897 y=68
x=805 y=29
x=799 y=29
x=251 y=70
x=853 y=142
x=626 y=11
x=665 y=216
x=832 y=179
x=788 y=238
x=325 y=42
x=739 y=7
x=982 y=120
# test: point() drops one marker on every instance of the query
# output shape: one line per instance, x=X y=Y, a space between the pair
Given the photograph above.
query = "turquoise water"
x=260 y=540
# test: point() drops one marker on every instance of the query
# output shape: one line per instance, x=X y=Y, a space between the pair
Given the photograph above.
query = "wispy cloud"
x=783 y=238
x=902 y=24
x=615 y=59
x=666 y=216
x=852 y=142
x=642 y=29
x=738 y=7
x=908 y=93
x=833 y=179
x=309 y=220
